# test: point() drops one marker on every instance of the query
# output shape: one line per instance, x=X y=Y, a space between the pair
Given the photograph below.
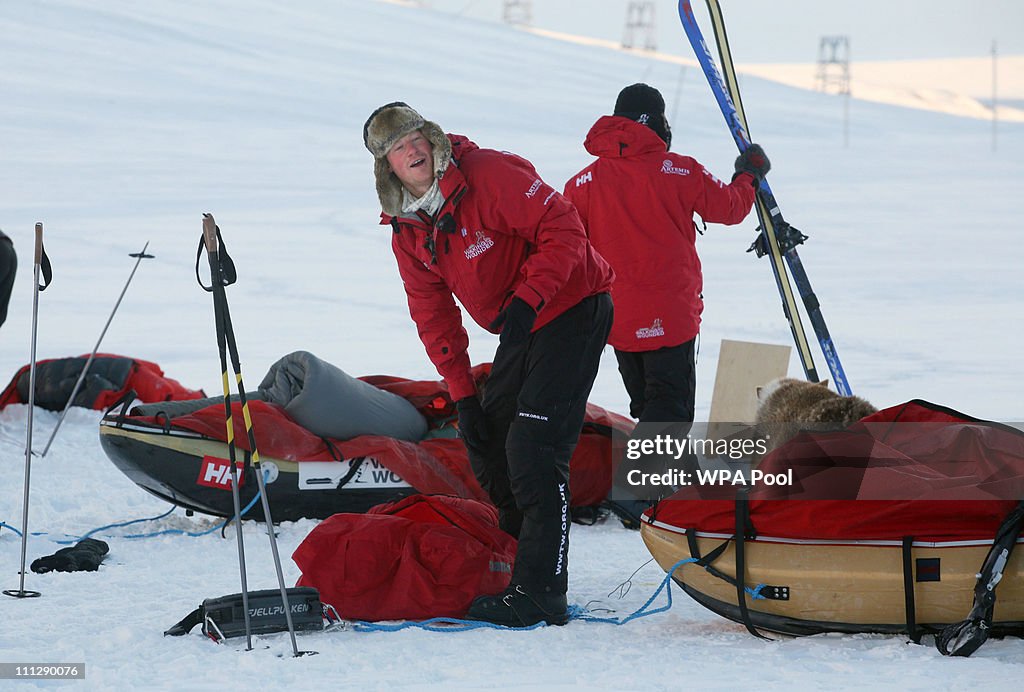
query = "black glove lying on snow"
x=84 y=556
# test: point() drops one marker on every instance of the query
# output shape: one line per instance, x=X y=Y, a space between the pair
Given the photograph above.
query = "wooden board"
x=743 y=366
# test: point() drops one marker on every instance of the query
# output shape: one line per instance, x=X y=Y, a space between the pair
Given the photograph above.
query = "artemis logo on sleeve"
x=667 y=167
x=533 y=188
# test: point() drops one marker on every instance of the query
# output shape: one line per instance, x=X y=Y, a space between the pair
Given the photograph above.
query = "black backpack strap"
x=186 y=624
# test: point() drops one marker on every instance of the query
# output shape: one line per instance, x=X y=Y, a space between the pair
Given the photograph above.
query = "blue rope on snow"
x=8 y=526
x=165 y=532
x=453 y=625
x=113 y=526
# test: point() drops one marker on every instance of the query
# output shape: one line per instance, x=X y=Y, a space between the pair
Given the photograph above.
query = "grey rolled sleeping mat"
x=331 y=403
x=323 y=399
x=173 y=409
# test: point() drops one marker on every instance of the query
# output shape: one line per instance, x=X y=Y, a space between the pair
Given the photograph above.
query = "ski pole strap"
x=42 y=260
x=228 y=275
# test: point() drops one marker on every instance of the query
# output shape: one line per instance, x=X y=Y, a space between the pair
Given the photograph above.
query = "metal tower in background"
x=518 y=12
x=640 y=23
x=834 y=74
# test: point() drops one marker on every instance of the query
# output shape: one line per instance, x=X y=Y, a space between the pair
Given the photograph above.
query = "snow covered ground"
x=121 y=123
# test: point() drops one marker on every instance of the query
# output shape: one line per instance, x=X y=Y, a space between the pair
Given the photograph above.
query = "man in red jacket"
x=637 y=201
x=481 y=226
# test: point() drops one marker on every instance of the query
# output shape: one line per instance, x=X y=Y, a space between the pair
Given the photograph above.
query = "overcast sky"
x=790 y=30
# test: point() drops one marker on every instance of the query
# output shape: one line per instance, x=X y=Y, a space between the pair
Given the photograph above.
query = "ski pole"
x=218 y=279
x=226 y=341
x=40 y=266
x=85 y=369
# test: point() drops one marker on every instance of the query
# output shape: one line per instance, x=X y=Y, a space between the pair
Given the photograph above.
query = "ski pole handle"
x=39 y=243
x=210 y=233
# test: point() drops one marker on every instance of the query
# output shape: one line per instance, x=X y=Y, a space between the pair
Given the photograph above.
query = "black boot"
x=516 y=607
x=629 y=511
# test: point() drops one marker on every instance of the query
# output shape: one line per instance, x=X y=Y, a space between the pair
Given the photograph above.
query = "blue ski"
x=778 y=239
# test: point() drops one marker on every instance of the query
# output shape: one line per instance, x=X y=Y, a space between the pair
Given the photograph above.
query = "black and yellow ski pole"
x=40 y=266
x=222 y=274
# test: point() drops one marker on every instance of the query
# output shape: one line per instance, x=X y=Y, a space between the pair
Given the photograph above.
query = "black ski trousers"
x=662 y=388
x=661 y=384
x=535 y=400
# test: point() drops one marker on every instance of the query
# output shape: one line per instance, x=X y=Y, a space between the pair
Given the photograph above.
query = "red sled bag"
x=421 y=557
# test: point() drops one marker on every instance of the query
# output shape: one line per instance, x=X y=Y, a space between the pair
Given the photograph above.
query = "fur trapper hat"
x=383 y=128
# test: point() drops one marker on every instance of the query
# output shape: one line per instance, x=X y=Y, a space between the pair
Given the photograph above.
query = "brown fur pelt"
x=787 y=405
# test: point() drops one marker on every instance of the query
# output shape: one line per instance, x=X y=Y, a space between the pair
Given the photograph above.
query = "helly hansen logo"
x=585 y=178
x=482 y=245
x=667 y=167
x=533 y=188
x=216 y=473
x=650 y=332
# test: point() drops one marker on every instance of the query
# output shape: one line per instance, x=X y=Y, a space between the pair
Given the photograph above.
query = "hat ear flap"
x=389 y=188
x=442 y=146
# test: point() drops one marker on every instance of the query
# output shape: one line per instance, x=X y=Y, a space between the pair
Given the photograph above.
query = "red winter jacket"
x=637 y=202
x=501 y=233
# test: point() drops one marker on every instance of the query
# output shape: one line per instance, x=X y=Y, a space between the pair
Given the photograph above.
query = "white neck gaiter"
x=430 y=202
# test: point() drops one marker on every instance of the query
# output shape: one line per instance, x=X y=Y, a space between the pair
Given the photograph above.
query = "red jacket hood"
x=461 y=145
x=617 y=137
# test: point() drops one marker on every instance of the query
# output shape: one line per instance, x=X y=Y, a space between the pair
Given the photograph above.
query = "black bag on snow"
x=223 y=618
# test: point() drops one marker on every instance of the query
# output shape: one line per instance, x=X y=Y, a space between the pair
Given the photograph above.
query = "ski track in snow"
x=124 y=123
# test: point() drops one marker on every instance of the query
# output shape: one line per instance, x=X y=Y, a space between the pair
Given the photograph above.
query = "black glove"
x=515 y=321
x=753 y=161
x=472 y=424
x=84 y=556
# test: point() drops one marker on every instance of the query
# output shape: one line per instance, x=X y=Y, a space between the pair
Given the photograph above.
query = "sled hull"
x=836 y=586
x=191 y=471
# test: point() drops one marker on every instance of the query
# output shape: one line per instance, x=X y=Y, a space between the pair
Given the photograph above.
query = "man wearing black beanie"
x=637 y=202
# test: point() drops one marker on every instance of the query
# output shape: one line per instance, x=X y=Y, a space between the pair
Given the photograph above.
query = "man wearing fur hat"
x=637 y=202
x=481 y=226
